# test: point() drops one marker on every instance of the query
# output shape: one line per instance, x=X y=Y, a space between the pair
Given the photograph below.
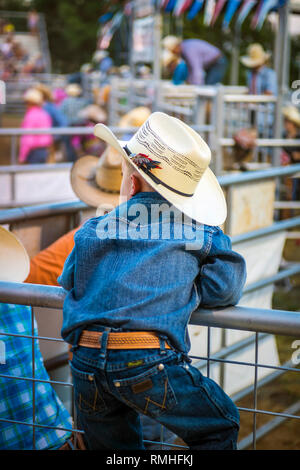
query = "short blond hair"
x=133 y=171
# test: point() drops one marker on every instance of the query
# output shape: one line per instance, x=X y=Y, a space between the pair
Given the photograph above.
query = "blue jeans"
x=216 y=72
x=38 y=155
x=113 y=387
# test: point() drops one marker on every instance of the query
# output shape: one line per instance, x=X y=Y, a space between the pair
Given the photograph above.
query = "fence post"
x=13 y=150
x=218 y=118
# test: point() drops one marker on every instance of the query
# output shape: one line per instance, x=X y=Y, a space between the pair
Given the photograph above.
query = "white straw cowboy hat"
x=97 y=181
x=174 y=160
x=292 y=114
x=256 y=56
x=14 y=260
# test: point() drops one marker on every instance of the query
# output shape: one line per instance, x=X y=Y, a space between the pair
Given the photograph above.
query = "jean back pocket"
x=88 y=399
x=149 y=393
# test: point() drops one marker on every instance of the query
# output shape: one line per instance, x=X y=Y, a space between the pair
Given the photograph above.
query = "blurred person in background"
x=175 y=66
x=6 y=47
x=58 y=120
x=32 y=21
x=103 y=62
x=71 y=107
x=291 y=155
x=92 y=115
x=206 y=63
x=73 y=103
x=35 y=148
x=261 y=79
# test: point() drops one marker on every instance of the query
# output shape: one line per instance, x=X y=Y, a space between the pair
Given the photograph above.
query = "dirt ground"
x=7 y=120
x=276 y=396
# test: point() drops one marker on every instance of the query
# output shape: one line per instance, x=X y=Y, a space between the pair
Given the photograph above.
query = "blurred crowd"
x=61 y=108
x=15 y=59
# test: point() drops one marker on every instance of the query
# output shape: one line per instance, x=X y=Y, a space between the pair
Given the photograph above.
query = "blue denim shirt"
x=144 y=267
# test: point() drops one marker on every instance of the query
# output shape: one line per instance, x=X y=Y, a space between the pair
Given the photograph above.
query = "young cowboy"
x=134 y=277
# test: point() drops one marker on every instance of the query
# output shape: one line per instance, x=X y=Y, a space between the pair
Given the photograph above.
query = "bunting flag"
x=177 y=7
x=245 y=10
x=267 y=6
x=170 y=5
x=209 y=11
x=104 y=18
x=218 y=8
x=213 y=9
x=181 y=7
x=230 y=11
x=195 y=8
x=187 y=5
x=256 y=14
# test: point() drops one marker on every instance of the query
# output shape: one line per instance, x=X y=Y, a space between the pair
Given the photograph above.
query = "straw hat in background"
x=256 y=56
x=99 y=55
x=167 y=57
x=45 y=90
x=174 y=160
x=97 y=181
x=94 y=113
x=135 y=118
x=292 y=114
x=73 y=89
x=14 y=260
x=33 y=96
x=171 y=43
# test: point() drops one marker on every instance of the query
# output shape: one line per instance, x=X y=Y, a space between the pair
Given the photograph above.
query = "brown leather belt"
x=122 y=340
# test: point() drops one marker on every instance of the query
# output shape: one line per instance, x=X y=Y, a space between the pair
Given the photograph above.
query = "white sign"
x=143 y=40
x=2 y=92
x=143 y=8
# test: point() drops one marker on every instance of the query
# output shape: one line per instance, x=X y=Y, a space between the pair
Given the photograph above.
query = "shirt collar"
x=148 y=196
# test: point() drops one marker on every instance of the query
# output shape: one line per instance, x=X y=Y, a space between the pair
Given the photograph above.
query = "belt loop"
x=103 y=342
x=162 y=343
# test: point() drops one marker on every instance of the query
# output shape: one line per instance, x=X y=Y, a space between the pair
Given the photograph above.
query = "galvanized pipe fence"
x=257 y=320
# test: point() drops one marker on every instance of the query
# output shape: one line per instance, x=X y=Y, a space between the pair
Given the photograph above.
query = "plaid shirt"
x=16 y=397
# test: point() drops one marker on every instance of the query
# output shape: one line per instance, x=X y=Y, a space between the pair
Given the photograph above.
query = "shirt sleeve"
x=222 y=274
x=48 y=264
x=270 y=85
x=180 y=73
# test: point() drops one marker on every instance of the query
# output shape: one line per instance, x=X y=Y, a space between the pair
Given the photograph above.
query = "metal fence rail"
x=250 y=319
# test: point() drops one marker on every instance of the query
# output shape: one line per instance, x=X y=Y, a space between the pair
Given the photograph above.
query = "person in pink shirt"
x=35 y=148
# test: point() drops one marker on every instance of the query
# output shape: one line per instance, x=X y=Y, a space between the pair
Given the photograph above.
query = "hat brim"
x=14 y=259
x=290 y=116
x=207 y=205
x=248 y=62
x=84 y=184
